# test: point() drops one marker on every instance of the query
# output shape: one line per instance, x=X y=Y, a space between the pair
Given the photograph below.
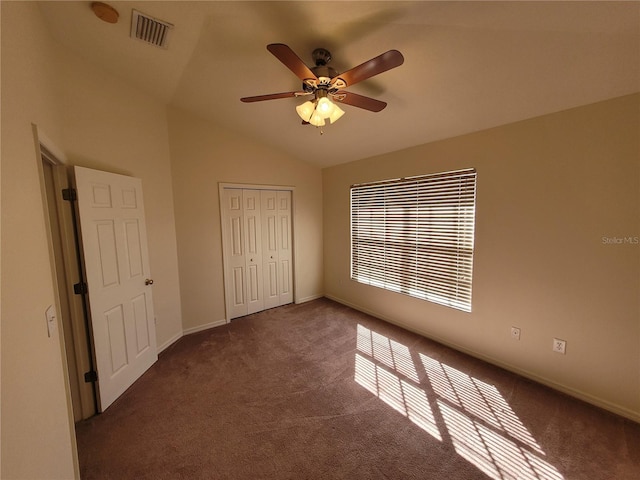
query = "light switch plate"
x=51 y=315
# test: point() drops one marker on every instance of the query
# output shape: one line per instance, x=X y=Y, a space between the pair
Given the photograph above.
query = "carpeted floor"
x=320 y=391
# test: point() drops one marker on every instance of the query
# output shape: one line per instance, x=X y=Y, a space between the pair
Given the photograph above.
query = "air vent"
x=150 y=30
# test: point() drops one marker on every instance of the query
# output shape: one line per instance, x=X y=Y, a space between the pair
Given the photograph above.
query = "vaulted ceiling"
x=468 y=65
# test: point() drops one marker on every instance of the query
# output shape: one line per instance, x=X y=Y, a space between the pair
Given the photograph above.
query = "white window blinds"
x=415 y=236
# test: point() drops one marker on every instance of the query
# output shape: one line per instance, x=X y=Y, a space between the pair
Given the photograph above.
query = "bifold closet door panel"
x=277 y=248
x=285 y=248
x=270 y=256
x=233 y=229
x=253 y=250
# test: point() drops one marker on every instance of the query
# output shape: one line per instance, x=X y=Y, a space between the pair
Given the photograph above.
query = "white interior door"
x=114 y=241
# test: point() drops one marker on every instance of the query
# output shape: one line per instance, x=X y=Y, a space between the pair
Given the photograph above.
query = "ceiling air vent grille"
x=150 y=30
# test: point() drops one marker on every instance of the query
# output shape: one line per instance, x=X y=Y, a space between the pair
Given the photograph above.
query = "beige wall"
x=203 y=155
x=98 y=122
x=37 y=436
x=110 y=126
x=549 y=190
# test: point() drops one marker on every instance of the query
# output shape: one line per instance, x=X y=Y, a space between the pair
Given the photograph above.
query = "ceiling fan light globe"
x=325 y=107
x=336 y=114
x=317 y=120
x=305 y=110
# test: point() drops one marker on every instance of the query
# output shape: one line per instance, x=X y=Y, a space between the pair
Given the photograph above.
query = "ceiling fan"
x=324 y=84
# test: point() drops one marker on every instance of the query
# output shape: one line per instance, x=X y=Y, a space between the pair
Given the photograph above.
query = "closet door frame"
x=226 y=248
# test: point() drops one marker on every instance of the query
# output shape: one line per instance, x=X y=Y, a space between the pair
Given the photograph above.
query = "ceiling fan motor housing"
x=321 y=56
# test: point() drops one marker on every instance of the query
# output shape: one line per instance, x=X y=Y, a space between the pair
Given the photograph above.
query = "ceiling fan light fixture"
x=336 y=113
x=305 y=110
x=325 y=107
x=317 y=120
x=318 y=111
x=329 y=110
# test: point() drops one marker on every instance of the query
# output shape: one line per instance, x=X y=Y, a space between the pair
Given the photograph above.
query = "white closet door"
x=235 y=262
x=257 y=244
x=285 y=248
x=270 y=248
x=253 y=249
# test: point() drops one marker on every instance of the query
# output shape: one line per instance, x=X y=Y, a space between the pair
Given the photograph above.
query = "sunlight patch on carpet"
x=480 y=423
x=398 y=393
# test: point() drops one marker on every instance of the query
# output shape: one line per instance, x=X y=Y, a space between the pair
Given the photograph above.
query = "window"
x=415 y=236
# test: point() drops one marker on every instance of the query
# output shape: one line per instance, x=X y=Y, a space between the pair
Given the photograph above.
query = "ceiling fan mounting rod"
x=321 y=92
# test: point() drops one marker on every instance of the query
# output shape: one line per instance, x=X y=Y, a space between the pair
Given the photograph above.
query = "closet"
x=257 y=249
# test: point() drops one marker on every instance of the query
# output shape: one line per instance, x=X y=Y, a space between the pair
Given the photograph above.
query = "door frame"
x=77 y=353
x=222 y=186
x=43 y=144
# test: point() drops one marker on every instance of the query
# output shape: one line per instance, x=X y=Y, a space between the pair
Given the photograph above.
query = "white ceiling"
x=468 y=65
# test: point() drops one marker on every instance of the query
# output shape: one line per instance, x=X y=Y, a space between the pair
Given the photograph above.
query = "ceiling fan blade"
x=359 y=101
x=273 y=96
x=368 y=69
x=287 y=56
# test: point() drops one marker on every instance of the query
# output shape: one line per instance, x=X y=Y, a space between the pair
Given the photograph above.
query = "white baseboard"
x=206 y=326
x=586 y=397
x=170 y=342
x=309 y=298
x=181 y=334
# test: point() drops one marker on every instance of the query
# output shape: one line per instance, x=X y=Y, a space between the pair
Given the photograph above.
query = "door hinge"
x=91 y=376
x=80 y=288
x=69 y=194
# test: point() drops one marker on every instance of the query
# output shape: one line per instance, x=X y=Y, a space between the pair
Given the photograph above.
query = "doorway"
x=109 y=339
x=67 y=270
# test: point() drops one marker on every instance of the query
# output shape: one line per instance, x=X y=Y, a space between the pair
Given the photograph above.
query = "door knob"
x=148 y=281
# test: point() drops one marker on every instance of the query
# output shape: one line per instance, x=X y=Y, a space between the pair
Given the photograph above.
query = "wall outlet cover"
x=515 y=333
x=560 y=346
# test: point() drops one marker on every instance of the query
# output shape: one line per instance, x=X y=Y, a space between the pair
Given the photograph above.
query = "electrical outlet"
x=515 y=333
x=559 y=346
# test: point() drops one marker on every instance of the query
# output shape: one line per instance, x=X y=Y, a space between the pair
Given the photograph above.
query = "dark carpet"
x=321 y=391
